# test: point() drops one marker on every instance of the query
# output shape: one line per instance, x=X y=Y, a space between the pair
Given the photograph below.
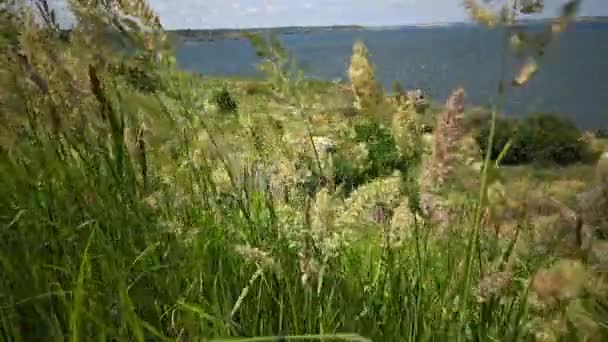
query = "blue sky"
x=266 y=13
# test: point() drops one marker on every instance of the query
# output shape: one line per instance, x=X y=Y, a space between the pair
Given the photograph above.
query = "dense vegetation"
x=132 y=207
x=538 y=138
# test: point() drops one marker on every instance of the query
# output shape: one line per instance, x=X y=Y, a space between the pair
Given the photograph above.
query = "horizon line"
x=374 y=26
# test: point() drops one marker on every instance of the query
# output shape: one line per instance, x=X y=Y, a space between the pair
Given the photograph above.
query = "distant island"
x=237 y=34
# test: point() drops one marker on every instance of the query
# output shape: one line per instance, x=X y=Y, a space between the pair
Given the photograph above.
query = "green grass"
x=146 y=224
x=84 y=254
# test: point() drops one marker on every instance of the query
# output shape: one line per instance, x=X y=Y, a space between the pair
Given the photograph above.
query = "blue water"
x=572 y=81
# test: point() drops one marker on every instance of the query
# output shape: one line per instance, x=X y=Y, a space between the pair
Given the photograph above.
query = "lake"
x=572 y=81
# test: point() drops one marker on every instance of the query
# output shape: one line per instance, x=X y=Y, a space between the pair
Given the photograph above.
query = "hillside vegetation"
x=139 y=202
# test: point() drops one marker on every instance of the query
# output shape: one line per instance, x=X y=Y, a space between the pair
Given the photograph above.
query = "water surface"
x=572 y=81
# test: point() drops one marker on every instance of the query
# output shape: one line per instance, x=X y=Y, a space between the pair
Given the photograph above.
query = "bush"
x=139 y=75
x=225 y=102
x=383 y=158
x=539 y=138
x=476 y=118
x=505 y=130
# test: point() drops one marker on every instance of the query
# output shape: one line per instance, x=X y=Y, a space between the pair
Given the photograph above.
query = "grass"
x=151 y=216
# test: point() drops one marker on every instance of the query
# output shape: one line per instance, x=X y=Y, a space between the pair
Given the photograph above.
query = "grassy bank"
x=140 y=202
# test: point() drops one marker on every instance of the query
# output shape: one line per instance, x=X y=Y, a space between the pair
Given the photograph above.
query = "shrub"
x=139 y=74
x=505 y=130
x=225 y=102
x=539 y=138
x=476 y=118
x=383 y=157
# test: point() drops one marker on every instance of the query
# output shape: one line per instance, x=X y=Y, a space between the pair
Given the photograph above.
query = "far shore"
x=237 y=33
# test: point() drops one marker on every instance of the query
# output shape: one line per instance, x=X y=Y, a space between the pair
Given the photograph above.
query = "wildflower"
x=152 y=201
x=562 y=281
x=552 y=330
x=492 y=285
x=526 y=72
x=261 y=258
x=309 y=269
x=359 y=154
x=358 y=207
x=449 y=132
x=569 y=9
x=291 y=224
x=405 y=132
x=324 y=144
x=365 y=88
x=402 y=222
x=322 y=212
x=481 y=14
x=436 y=209
x=517 y=43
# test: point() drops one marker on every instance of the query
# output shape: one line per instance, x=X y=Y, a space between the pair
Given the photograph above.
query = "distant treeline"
x=219 y=34
x=236 y=34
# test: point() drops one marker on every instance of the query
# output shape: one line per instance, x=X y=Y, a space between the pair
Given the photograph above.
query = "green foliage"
x=140 y=74
x=275 y=63
x=383 y=157
x=225 y=101
x=123 y=216
x=539 y=138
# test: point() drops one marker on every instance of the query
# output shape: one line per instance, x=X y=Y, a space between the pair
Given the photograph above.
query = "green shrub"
x=505 y=130
x=225 y=101
x=540 y=138
x=383 y=158
x=140 y=73
x=476 y=118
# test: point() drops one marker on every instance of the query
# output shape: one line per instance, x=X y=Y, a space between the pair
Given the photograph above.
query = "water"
x=572 y=81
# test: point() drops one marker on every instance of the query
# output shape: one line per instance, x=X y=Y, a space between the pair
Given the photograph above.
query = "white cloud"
x=236 y=5
x=307 y=5
x=251 y=10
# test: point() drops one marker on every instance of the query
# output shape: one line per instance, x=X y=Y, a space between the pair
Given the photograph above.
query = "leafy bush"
x=225 y=101
x=476 y=118
x=505 y=130
x=383 y=158
x=539 y=138
x=140 y=73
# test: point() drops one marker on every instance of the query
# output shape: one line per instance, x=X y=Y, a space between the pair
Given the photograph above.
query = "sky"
x=195 y=14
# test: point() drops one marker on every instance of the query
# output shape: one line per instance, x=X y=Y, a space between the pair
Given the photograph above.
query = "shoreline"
x=237 y=33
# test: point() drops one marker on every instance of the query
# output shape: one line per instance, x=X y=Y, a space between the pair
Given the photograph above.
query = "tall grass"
x=116 y=225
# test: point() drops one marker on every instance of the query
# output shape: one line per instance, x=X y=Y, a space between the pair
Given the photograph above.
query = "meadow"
x=141 y=202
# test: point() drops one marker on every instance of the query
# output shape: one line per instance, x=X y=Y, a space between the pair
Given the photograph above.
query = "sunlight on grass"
x=141 y=202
